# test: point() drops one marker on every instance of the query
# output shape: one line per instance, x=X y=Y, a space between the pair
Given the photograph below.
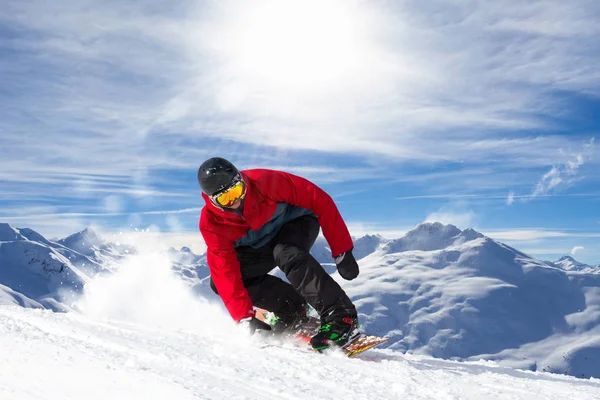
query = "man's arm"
x=295 y=190
x=225 y=273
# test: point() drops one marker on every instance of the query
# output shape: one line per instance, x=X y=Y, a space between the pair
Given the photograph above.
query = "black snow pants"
x=309 y=282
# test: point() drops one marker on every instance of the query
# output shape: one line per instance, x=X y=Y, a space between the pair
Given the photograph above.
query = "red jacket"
x=265 y=189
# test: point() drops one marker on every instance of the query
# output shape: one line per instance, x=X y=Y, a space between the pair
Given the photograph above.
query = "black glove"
x=252 y=324
x=347 y=265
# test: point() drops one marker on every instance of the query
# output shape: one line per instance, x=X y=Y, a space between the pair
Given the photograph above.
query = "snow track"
x=68 y=356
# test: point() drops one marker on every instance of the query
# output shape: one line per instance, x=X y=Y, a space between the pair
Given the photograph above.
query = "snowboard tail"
x=363 y=343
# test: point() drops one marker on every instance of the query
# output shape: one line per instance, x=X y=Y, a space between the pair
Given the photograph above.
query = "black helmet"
x=217 y=174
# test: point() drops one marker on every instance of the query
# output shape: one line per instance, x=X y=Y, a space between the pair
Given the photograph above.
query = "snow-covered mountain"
x=425 y=237
x=35 y=272
x=39 y=273
x=438 y=290
x=78 y=259
x=192 y=269
x=568 y=263
x=459 y=294
x=91 y=244
x=363 y=246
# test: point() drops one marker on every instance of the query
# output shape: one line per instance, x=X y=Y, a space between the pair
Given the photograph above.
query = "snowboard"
x=302 y=335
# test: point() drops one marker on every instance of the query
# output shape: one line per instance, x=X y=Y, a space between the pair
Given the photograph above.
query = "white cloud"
x=462 y=219
x=475 y=196
x=524 y=234
x=549 y=181
x=563 y=174
x=325 y=174
x=541 y=252
x=391 y=99
x=510 y=199
x=113 y=204
x=174 y=223
x=533 y=234
x=577 y=249
x=362 y=228
x=165 y=86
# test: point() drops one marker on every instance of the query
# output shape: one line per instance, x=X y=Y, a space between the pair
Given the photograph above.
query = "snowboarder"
x=255 y=220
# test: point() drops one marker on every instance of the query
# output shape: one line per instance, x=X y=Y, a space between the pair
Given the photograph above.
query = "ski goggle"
x=227 y=197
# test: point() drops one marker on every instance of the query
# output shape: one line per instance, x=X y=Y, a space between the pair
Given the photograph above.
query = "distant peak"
x=566 y=258
x=370 y=237
x=569 y=263
x=88 y=235
x=434 y=227
x=89 y=232
x=471 y=234
x=426 y=236
x=8 y=232
x=6 y=227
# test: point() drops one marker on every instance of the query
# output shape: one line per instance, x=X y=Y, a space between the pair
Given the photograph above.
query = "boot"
x=338 y=329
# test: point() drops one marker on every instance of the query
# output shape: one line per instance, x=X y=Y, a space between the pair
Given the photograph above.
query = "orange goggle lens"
x=228 y=197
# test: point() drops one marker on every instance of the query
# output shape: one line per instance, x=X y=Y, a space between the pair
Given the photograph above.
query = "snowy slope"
x=69 y=356
x=10 y=296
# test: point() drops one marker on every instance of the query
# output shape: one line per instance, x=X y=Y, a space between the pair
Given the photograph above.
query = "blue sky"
x=482 y=115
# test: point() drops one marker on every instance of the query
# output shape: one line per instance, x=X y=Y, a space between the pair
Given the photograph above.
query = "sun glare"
x=296 y=45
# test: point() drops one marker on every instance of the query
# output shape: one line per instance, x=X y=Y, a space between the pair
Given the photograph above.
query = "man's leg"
x=267 y=291
x=307 y=276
